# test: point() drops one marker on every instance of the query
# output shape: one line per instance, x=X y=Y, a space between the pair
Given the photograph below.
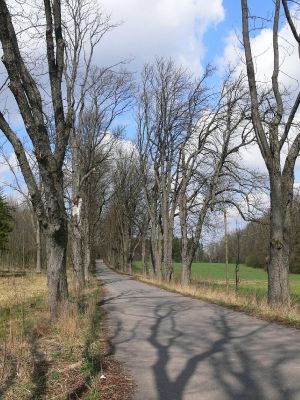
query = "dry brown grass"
x=250 y=304
x=18 y=290
x=40 y=360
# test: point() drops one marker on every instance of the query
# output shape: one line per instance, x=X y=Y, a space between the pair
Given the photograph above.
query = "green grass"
x=252 y=280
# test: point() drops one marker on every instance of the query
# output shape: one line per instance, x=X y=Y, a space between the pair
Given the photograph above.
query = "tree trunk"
x=156 y=251
x=278 y=283
x=168 y=260
x=87 y=259
x=145 y=271
x=77 y=255
x=56 y=267
x=38 y=248
x=186 y=271
x=86 y=240
x=186 y=260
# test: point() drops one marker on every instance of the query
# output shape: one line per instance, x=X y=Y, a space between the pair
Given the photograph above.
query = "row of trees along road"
x=184 y=166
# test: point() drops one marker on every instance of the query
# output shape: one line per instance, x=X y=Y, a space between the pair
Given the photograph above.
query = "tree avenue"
x=95 y=194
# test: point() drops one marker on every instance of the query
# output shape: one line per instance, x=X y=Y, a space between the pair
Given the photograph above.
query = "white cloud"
x=262 y=51
x=5 y=167
x=251 y=157
x=159 y=28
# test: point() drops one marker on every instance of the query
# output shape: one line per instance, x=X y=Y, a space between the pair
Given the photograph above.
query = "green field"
x=252 y=280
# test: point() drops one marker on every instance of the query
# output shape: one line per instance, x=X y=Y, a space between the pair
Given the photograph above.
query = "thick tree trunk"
x=156 y=251
x=167 y=223
x=278 y=283
x=56 y=267
x=186 y=259
x=186 y=272
x=186 y=253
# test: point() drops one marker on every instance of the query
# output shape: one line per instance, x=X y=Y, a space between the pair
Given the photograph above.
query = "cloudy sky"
x=194 y=33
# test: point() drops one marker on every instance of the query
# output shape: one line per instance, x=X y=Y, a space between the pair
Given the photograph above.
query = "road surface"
x=177 y=348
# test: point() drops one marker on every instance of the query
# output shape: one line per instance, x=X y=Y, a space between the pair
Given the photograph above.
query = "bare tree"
x=126 y=200
x=209 y=166
x=94 y=136
x=170 y=101
x=84 y=27
x=28 y=96
x=274 y=126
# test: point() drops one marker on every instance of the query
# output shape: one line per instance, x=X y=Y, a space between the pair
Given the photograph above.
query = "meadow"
x=253 y=281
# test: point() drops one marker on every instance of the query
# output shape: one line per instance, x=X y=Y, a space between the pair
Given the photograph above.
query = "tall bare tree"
x=208 y=166
x=275 y=126
x=84 y=27
x=28 y=96
x=170 y=102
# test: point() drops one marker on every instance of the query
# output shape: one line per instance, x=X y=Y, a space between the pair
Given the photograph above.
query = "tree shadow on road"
x=229 y=358
x=225 y=354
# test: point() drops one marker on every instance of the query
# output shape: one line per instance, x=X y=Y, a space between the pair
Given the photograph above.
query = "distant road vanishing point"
x=177 y=348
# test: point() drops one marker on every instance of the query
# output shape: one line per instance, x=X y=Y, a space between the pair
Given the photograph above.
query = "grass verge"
x=253 y=281
x=250 y=304
x=65 y=360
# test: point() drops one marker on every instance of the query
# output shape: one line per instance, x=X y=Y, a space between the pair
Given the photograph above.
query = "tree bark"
x=278 y=284
x=168 y=260
x=87 y=247
x=156 y=251
x=186 y=271
x=56 y=243
x=77 y=256
x=38 y=248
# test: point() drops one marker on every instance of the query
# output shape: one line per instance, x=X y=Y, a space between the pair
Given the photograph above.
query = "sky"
x=194 y=33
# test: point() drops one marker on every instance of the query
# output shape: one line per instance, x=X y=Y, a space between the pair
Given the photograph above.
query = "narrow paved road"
x=177 y=348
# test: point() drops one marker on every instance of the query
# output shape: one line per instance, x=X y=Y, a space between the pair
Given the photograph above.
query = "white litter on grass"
x=103 y=377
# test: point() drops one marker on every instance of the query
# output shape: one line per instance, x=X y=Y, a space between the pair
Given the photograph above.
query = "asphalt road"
x=178 y=348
